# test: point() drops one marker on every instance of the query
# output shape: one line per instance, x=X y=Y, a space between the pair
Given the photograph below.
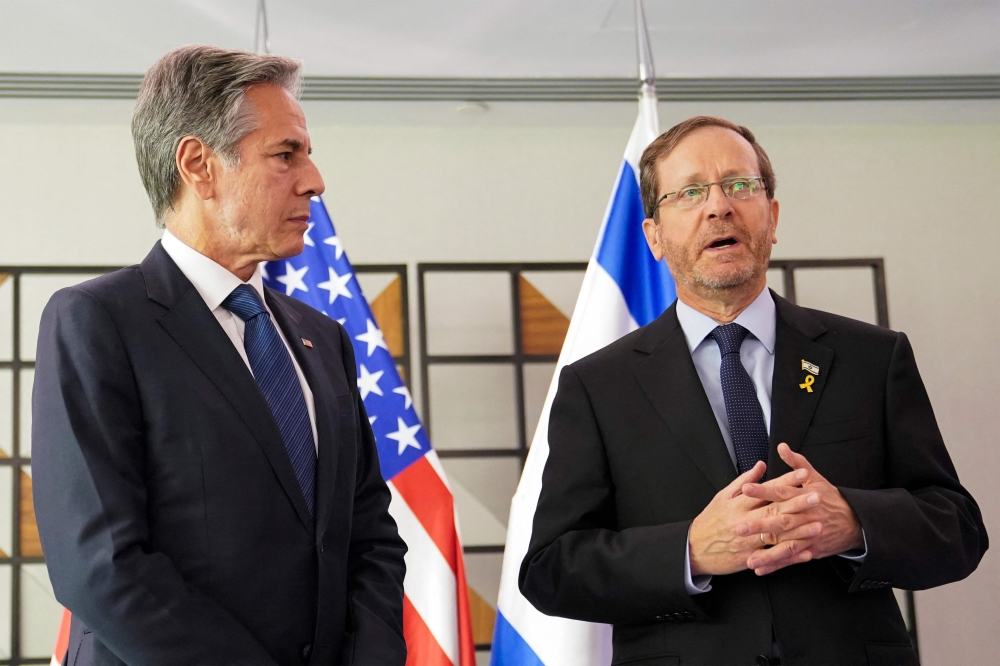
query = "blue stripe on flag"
x=645 y=283
x=509 y=649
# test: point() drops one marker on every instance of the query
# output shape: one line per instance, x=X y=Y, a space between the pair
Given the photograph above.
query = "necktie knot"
x=244 y=302
x=729 y=338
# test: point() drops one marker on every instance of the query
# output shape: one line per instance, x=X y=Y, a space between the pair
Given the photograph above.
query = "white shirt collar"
x=212 y=281
x=759 y=318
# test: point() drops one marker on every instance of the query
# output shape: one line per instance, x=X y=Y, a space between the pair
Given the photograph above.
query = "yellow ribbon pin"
x=808 y=385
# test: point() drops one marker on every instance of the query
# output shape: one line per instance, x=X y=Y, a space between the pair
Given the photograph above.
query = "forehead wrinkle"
x=715 y=158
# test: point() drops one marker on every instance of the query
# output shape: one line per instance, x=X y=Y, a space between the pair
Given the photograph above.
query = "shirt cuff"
x=857 y=555
x=697 y=584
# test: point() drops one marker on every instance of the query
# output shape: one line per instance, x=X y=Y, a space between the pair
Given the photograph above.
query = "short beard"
x=730 y=281
x=686 y=271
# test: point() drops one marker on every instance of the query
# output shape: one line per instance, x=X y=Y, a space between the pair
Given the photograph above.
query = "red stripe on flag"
x=466 y=647
x=421 y=648
x=62 y=639
x=432 y=504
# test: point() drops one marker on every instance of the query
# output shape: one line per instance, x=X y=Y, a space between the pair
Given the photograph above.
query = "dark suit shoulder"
x=115 y=293
x=615 y=354
x=110 y=287
x=845 y=333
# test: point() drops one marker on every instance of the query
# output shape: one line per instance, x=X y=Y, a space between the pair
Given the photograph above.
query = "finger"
x=752 y=475
x=795 y=460
x=801 y=533
x=772 y=556
x=781 y=524
x=793 y=478
x=804 y=556
x=773 y=493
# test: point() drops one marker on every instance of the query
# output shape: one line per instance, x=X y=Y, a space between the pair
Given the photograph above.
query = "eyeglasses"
x=689 y=196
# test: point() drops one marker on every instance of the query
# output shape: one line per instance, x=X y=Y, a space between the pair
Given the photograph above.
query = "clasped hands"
x=792 y=519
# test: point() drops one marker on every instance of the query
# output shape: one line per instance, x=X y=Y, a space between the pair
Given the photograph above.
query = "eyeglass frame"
x=758 y=179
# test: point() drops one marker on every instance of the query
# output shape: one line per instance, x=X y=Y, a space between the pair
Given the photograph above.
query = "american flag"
x=436 y=620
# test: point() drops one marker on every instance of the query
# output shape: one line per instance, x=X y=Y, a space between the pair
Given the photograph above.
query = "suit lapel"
x=667 y=375
x=195 y=329
x=792 y=404
x=327 y=409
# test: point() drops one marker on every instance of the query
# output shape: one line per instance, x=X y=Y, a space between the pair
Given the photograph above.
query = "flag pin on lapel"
x=813 y=370
x=308 y=343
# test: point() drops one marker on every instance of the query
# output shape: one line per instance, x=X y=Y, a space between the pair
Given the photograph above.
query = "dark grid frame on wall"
x=518 y=358
x=17 y=462
x=400 y=270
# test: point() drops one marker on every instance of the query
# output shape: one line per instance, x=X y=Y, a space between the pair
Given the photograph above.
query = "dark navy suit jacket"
x=636 y=454
x=169 y=513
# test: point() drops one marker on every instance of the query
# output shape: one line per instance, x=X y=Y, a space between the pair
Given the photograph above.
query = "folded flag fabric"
x=624 y=288
x=436 y=620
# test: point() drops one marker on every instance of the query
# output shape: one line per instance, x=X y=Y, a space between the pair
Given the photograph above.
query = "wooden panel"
x=388 y=310
x=483 y=617
x=30 y=545
x=543 y=326
x=3 y=277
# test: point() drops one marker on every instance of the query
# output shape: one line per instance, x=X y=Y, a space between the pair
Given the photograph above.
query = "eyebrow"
x=294 y=144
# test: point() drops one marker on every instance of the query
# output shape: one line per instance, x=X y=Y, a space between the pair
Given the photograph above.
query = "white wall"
x=913 y=182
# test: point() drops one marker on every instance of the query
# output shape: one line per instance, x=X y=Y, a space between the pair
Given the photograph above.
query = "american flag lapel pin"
x=306 y=342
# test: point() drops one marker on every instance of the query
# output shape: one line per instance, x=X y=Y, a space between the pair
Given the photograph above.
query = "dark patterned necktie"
x=272 y=368
x=746 y=419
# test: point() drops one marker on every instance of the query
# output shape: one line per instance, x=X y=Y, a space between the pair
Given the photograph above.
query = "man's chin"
x=288 y=249
x=725 y=277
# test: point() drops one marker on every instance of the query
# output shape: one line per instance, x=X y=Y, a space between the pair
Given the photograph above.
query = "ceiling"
x=519 y=38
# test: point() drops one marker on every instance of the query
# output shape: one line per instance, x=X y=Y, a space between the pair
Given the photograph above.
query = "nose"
x=718 y=204
x=311 y=183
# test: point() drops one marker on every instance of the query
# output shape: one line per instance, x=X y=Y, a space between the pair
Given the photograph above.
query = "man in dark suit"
x=743 y=480
x=206 y=481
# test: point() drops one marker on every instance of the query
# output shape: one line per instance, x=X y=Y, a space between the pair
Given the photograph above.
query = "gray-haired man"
x=207 y=486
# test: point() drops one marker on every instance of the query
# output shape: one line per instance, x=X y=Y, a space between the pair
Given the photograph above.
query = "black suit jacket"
x=169 y=513
x=636 y=454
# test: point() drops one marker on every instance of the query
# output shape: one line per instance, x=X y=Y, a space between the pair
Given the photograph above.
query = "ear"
x=197 y=166
x=774 y=221
x=651 y=230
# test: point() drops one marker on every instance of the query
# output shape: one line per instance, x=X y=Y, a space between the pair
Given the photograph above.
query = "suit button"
x=306 y=651
x=761 y=660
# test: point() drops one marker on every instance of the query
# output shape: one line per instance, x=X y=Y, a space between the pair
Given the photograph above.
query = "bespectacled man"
x=743 y=481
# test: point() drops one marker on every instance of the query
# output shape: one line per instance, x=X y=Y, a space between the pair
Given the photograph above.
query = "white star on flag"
x=405 y=392
x=263 y=270
x=337 y=285
x=341 y=321
x=305 y=236
x=373 y=337
x=292 y=279
x=335 y=242
x=406 y=435
x=368 y=382
x=371 y=419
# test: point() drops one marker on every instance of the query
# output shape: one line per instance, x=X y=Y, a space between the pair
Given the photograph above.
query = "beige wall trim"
x=321 y=88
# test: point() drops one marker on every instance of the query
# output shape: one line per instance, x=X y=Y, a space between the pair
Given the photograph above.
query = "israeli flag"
x=624 y=288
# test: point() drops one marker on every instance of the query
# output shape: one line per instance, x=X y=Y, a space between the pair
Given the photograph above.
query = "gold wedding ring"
x=762 y=539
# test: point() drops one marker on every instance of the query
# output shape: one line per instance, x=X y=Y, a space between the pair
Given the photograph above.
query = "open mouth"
x=723 y=242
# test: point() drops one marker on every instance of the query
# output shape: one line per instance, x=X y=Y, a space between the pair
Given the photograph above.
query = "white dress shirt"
x=757 y=356
x=214 y=283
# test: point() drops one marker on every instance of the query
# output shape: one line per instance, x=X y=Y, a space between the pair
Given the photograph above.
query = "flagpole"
x=262 y=40
x=647 y=74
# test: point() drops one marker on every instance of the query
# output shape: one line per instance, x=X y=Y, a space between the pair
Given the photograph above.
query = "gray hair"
x=198 y=91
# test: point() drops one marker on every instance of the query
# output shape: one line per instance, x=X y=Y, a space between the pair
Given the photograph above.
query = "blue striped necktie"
x=746 y=418
x=272 y=368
